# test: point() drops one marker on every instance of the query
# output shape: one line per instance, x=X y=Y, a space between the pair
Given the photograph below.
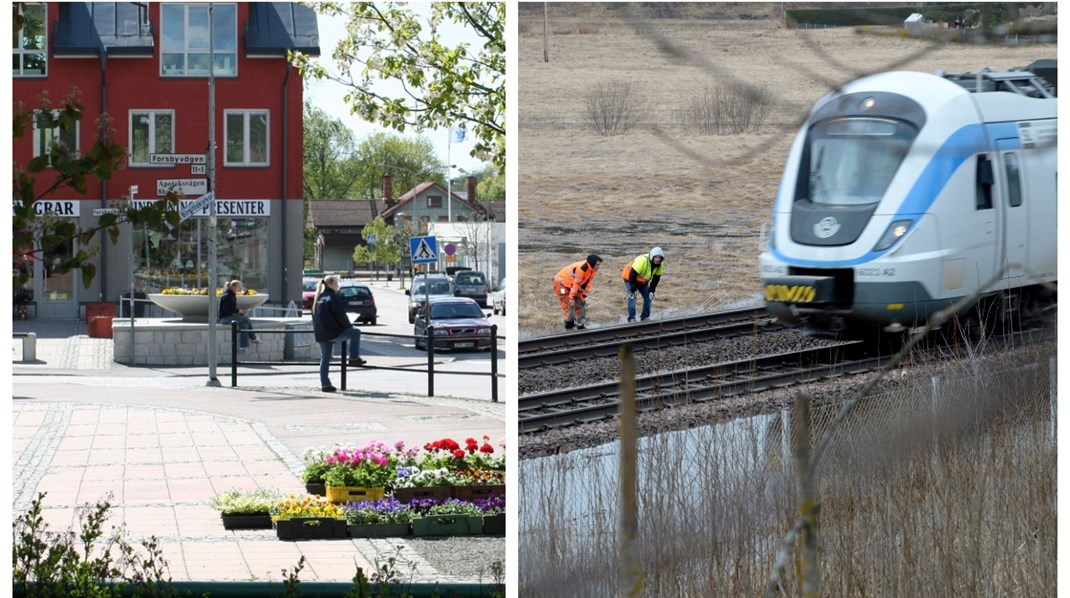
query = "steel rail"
x=606 y=341
x=591 y=403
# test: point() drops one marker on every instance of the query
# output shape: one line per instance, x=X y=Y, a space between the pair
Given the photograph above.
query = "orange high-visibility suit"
x=571 y=286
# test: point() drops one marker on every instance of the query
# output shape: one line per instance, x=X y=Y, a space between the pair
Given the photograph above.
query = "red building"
x=145 y=67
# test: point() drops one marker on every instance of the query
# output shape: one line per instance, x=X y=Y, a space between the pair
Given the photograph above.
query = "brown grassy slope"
x=703 y=198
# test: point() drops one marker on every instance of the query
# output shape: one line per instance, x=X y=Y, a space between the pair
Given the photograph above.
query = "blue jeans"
x=642 y=289
x=244 y=323
x=327 y=351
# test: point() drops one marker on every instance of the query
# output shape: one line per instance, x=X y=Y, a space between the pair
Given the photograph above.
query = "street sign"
x=198 y=169
x=178 y=159
x=102 y=211
x=371 y=241
x=195 y=206
x=184 y=186
x=451 y=249
x=424 y=250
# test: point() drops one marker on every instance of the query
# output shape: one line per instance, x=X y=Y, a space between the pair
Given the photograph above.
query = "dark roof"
x=90 y=28
x=275 y=27
x=343 y=213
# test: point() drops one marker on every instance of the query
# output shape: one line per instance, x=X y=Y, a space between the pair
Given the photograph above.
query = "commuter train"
x=906 y=192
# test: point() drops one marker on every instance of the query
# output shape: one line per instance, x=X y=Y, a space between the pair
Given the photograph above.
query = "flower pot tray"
x=447 y=525
x=407 y=495
x=344 y=494
x=317 y=488
x=378 y=530
x=477 y=492
x=494 y=525
x=247 y=521
x=312 y=528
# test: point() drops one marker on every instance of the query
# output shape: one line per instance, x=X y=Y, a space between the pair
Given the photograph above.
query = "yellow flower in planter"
x=306 y=506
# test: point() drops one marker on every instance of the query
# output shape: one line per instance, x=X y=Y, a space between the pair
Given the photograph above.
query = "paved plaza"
x=158 y=443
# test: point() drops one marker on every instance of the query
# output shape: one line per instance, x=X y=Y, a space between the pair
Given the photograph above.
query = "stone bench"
x=176 y=342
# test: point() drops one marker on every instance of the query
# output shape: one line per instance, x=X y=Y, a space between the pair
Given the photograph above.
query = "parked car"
x=472 y=284
x=308 y=292
x=458 y=322
x=497 y=299
x=433 y=285
x=358 y=299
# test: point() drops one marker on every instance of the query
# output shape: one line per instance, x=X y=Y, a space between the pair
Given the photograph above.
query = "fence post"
x=809 y=508
x=430 y=361
x=233 y=354
x=494 y=363
x=1052 y=391
x=631 y=575
x=935 y=402
x=345 y=362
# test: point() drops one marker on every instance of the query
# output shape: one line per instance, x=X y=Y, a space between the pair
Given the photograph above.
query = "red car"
x=458 y=323
x=308 y=293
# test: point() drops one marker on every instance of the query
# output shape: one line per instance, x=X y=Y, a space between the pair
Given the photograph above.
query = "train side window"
x=984 y=183
x=1014 y=179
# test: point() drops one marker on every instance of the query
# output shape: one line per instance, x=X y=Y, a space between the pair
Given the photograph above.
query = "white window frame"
x=152 y=114
x=21 y=51
x=219 y=52
x=43 y=138
x=246 y=118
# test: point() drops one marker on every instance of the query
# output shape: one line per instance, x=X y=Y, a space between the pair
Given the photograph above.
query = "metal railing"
x=430 y=339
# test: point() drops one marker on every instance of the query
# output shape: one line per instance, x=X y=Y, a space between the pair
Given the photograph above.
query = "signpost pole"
x=213 y=305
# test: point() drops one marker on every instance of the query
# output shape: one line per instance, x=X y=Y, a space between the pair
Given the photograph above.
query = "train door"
x=1011 y=206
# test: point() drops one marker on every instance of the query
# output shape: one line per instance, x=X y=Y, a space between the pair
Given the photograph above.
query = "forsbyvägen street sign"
x=177 y=159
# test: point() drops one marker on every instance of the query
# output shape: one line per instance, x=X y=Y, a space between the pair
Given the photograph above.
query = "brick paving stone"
x=141 y=434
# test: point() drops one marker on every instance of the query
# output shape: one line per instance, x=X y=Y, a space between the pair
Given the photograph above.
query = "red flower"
x=458 y=453
x=486 y=448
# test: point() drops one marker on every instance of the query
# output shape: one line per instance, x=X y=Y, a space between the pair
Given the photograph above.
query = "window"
x=852 y=160
x=184 y=40
x=151 y=132
x=49 y=136
x=1014 y=181
x=434 y=201
x=246 y=137
x=30 y=44
x=983 y=199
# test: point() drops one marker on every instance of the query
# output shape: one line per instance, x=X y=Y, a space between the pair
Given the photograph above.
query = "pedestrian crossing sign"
x=424 y=250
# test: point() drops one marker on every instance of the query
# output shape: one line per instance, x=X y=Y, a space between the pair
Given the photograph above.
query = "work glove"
x=651 y=296
x=631 y=296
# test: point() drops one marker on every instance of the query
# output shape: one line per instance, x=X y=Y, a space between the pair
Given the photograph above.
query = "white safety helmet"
x=657 y=252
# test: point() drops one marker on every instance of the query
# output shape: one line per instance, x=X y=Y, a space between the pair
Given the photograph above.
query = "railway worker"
x=642 y=275
x=571 y=286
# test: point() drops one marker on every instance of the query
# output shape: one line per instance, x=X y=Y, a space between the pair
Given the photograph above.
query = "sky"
x=328 y=96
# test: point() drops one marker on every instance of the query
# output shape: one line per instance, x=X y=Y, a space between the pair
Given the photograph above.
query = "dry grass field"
x=703 y=198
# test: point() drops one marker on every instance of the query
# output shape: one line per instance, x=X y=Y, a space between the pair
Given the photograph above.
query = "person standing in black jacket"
x=229 y=312
x=331 y=324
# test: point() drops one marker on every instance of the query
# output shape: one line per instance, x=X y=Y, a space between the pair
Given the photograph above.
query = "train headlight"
x=895 y=231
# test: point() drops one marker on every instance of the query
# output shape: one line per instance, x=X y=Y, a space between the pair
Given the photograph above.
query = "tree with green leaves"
x=330 y=162
x=442 y=85
x=35 y=235
x=381 y=244
x=410 y=161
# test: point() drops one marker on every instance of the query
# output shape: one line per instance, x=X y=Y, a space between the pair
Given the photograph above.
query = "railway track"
x=590 y=403
x=661 y=333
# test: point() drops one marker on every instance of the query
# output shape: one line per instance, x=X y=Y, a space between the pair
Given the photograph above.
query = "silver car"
x=433 y=285
x=471 y=284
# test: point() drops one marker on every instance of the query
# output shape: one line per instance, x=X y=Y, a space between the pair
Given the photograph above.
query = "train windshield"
x=852 y=160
